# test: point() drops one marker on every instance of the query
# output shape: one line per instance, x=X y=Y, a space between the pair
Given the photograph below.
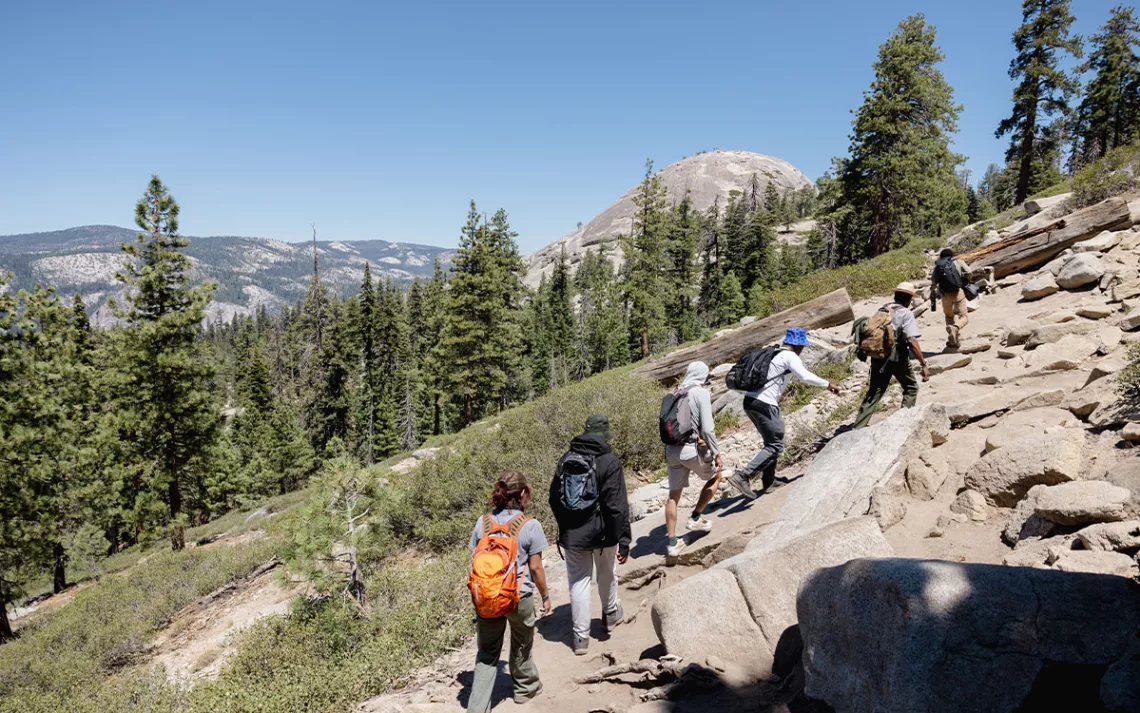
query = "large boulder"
x=1055 y=332
x=926 y=474
x=995 y=401
x=1080 y=270
x=898 y=635
x=841 y=479
x=1102 y=243
x=1005 y=475
x=1081 y=502
x=1112 y=563
x=745 y=603
x=1040 y=286
x=1033 y=206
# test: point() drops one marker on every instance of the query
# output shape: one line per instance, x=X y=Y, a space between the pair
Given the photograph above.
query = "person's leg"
x=876 y=387
x=524 y=673
x=678 y=476
x=707 y=492
x=605 y=563
x=760 y=414
x=908 y=382
x=489 y=639
x=579 y=572
x=961 y=313
x=774 y=438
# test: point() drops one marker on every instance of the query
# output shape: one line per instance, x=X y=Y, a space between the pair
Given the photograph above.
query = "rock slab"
x=895 y=635
x=1005 y=475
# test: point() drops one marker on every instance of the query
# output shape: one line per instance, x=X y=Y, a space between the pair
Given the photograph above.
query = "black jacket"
x=608 y=523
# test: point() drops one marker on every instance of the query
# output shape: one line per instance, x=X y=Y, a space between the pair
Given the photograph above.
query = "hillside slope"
x=707 y=176
x=250 y=272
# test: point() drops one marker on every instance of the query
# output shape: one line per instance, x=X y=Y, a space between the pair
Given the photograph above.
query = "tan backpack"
x=879 y=338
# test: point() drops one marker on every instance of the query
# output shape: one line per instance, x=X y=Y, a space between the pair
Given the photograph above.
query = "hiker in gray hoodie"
x=700 y=457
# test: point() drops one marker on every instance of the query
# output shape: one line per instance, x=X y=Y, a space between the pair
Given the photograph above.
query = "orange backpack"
x=494 y=578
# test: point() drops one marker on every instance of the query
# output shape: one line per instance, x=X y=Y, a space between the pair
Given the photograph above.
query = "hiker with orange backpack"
x=889 y=337
x=506 y=569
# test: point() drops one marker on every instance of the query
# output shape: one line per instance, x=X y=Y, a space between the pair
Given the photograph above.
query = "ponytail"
x=511 y=489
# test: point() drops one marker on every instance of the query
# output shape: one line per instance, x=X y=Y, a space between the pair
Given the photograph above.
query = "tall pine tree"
x=1109 y=114
x=1043 y=89
x=644 y=259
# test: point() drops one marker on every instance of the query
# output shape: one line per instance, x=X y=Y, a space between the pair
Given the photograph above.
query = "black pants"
x=768 y=421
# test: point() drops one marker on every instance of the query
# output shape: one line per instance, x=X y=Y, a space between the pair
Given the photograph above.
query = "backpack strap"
x=516 y=524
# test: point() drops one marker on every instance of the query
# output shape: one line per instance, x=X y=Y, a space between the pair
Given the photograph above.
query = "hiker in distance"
x=589 y=502
x=949 y=283
x=686 y=425
x=764 y=374
x=506 y=569
x=889 y=337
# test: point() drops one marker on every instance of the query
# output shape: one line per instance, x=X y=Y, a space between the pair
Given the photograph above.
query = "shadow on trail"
x=655 y=541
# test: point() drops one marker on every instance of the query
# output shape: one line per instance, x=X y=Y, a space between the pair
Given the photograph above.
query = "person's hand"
x=546 y=606
x=719 y=461
x=622 y=558
x=925 y=372
x=833 y=388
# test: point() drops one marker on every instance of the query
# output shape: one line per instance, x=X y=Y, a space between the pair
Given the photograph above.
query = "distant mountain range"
x=249 y=271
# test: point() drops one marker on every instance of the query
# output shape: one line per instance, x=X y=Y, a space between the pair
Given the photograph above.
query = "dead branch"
x=652 y=667
x=644 y=581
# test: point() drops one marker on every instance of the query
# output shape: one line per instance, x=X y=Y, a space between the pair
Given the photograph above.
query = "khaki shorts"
x=683 y=460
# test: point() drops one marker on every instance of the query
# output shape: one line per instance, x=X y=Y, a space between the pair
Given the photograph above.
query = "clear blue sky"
x=378 y=120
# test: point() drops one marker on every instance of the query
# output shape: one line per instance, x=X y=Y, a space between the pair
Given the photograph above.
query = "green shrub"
x=1113 y=174
x=876 y=276
x=799 y=394
x=1128 y=380
x=61 y=660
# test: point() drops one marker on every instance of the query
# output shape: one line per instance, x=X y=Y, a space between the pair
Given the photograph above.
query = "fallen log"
x=830 y=310
x=1016 y=254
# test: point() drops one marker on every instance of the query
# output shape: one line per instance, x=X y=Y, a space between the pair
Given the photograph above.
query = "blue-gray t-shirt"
x=531 y=539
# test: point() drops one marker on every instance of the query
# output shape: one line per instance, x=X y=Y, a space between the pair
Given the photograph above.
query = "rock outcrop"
x=706 y=176
x=894 y=635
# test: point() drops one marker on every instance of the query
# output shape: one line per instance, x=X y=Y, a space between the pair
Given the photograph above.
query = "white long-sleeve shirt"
x=784 y=365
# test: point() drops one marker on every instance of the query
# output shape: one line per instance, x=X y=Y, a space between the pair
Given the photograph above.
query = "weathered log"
x=1018 y=253
x=830 y=310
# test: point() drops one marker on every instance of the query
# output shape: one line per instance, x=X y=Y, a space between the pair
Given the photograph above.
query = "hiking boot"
x=519 y=700
x=699 y=523
x=611 y=621
x=581 y=645
x=676 y=546
x=741 y=486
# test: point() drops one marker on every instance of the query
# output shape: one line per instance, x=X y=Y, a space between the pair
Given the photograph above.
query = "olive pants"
x=957 y=314
x=489 y=634
x=882 y=371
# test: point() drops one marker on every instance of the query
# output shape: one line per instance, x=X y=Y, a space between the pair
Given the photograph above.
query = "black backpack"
x=674 y=422
x=577 y=482
x=750 y=373
x=947 y=276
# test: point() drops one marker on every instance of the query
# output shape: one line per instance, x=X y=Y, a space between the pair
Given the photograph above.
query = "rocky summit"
x=706 y=176
x=249 y=272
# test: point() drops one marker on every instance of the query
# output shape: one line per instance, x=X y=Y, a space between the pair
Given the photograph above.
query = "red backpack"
x=494 y=578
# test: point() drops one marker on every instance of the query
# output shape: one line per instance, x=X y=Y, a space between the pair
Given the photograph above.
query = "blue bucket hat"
x=796 y=337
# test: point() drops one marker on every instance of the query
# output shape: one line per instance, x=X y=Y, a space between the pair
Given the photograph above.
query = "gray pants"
x=489 y=637
x=770 y=424
x=580 y=566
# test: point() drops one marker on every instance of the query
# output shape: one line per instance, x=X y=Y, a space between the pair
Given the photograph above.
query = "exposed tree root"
x=673 y=676
x=646 y=580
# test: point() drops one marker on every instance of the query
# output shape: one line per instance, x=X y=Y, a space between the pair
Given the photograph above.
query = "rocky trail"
x=1020 y=452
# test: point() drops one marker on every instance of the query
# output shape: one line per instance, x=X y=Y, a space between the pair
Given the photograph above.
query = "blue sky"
x=378 y=120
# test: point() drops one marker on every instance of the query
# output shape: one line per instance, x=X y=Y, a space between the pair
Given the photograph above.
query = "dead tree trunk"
x=830 y=310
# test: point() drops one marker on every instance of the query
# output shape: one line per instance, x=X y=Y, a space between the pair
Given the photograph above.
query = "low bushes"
x=1113 y=174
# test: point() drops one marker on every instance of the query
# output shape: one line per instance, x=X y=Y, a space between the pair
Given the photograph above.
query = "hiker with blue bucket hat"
x=764 y=374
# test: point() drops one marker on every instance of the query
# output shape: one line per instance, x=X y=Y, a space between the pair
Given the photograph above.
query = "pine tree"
x=1043 y=90
x=1109 y=114
x=731 y=304
x=601 y=319
x=175 y=416
x=900 y=180
x=644 y=255
x=681 y=265
x=559 y=314
x=370 y=368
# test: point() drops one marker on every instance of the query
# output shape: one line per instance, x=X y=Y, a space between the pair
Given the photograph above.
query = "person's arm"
x=615 y=509
x=916 y=349
x=796 y=366
x=705 y=416
x=538 y=574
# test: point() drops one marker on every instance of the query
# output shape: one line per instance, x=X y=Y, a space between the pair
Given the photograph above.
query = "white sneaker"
x=699 y=524
x=741 y=485
x=676 y=549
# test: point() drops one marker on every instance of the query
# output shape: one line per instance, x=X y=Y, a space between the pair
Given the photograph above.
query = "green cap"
x=599 y=425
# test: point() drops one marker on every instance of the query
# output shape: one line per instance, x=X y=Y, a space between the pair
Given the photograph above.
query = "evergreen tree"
x=731 y=305
x=645 y=256
x=174 y=415
x=560 y=322
x=1109 y=114
x=601 y=319
x=681 y=276
x=481 y=336
x=712 y=265
x=900 y=180
x=1043 y=90
x=365 y=331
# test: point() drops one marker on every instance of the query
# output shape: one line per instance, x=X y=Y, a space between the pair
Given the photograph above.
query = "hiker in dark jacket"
x=947 y=282
x=593 y=535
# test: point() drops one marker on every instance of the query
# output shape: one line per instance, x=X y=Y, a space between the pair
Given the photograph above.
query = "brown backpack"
x=878 y=338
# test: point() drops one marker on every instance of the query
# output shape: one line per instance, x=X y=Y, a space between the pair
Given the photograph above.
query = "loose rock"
x=1097 y=563
x=1095 y=311
x=1131 y=432
x=1040 y=286
x=1081 y=502
x=1004 y=476
x=1112 y=536
x=972 y=504
x=1080 y=270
